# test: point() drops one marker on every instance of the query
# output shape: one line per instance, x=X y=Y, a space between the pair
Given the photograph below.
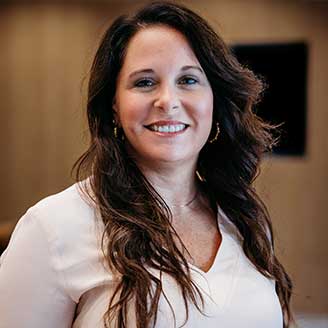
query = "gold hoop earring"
x=115 y=130
x=200 y=178
x=216 y=134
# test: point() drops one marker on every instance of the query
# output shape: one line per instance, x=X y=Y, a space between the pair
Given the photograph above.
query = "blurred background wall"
x=46 y=52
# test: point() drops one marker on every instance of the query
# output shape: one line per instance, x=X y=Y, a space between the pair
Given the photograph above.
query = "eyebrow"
x=149 y=70
x=185 y=68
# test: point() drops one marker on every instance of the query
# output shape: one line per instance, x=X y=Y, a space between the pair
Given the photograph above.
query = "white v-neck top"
x=52 y=276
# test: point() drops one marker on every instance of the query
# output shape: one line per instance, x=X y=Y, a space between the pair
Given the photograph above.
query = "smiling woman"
x=163 y=100
x=163 y=227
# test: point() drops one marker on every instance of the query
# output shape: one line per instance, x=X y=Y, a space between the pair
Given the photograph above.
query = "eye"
x=144 y=83
x=188 y=80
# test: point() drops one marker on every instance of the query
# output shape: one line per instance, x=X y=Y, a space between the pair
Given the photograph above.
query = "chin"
x=167 y=158
x=155 y=154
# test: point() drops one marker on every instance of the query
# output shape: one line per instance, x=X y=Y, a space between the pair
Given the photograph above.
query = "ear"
x=114 y=105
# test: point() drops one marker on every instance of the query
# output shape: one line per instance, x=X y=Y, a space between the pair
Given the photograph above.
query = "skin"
x=157 y=85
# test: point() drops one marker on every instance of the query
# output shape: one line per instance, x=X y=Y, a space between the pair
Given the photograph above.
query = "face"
x=163 y=101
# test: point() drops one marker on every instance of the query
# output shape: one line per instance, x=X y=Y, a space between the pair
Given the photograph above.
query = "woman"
x=166 y=230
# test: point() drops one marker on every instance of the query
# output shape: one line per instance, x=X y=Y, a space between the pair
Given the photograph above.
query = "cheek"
x=203 y=110
x=132 y=111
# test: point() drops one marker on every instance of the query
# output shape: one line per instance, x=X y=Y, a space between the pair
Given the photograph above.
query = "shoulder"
x=70 y=201
x=55 y=244
x=67 y=219
x=73 y=231
x=70 y=208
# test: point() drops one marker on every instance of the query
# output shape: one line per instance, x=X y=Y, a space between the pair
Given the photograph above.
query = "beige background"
x=46 y=52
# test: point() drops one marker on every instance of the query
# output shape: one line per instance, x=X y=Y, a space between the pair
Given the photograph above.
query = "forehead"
x=158 y=45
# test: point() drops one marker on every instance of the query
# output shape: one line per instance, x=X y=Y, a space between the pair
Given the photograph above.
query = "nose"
x=167 y=98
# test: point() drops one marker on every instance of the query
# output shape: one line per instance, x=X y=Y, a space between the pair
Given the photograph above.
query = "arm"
x=32 y=292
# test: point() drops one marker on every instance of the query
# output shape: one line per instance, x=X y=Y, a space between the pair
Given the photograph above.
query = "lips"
x=167 y=127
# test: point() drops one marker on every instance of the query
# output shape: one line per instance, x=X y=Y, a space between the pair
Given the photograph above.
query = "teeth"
x=167 y=128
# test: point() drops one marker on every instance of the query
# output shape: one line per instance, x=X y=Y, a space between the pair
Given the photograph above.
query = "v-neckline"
x=221 y=217
x=226 y=228
x=216 y=257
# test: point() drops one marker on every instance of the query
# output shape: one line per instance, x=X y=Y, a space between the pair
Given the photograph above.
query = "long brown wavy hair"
x=138 y=231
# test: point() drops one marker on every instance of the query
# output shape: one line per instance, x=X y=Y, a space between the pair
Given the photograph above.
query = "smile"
x=169 y=128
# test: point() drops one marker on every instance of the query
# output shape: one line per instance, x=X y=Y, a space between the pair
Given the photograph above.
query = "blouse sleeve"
x=32 y=292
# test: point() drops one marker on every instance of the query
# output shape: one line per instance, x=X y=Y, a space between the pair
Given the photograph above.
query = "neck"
x=176 y=184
